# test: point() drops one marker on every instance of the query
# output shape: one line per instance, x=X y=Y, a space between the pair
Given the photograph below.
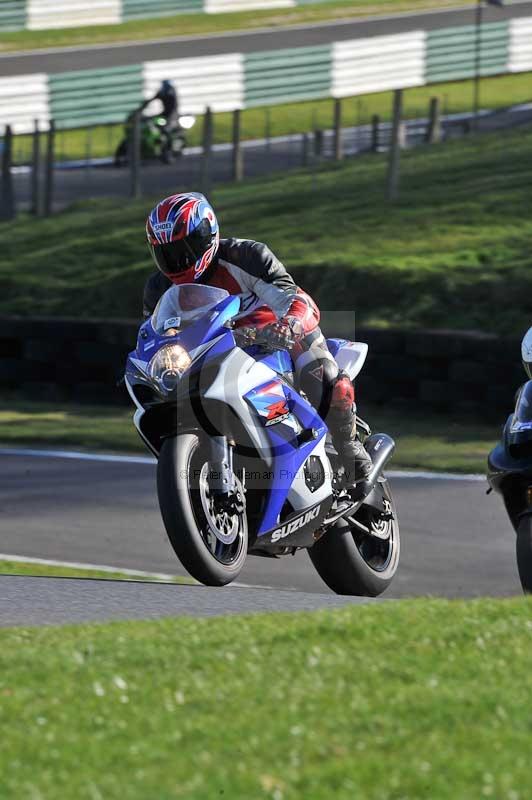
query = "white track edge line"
x=134 y=573
x=435 y=476
x=123 y=459
x=79 y=565
x=77 y=455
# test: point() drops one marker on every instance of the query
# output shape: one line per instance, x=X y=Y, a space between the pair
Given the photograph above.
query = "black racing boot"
x=353 y=455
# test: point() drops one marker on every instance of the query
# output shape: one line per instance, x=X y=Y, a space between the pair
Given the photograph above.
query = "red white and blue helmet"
x=183 y=236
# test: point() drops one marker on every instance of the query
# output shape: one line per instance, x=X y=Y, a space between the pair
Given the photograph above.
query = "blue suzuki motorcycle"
x=245 y=465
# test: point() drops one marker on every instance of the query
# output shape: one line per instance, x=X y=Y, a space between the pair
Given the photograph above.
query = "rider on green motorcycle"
x=167 y=94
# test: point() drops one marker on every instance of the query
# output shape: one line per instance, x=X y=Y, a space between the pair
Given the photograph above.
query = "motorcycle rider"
x=184 y=241
x=167 y=94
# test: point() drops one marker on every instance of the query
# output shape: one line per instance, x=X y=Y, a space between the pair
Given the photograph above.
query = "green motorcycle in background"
x=156 y=141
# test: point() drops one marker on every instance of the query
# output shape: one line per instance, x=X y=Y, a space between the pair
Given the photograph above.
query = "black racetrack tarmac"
x=456 y=542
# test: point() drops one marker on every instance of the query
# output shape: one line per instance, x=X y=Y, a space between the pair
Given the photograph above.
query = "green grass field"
x=291 y=118
x=200 y=24
x=429 y=441
x=423 y=699
x=454 y=252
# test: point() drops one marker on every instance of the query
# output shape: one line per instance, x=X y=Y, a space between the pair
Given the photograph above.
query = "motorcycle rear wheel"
x=523 y=551
x=211 y=545
x=353 y=563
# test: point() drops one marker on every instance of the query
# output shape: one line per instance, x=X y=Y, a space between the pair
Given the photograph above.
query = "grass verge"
x=451 y=251
x=292 y=118
x=431 y=442
x=425 y=699
x=9 y=567
x=198 y=24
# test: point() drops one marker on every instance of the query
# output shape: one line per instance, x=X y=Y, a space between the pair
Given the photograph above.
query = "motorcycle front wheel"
x=209 y=540
x=358 y=563
x=523 y=551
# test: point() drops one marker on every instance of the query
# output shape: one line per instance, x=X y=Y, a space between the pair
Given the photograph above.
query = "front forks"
x=227 y=491
x=221 y=476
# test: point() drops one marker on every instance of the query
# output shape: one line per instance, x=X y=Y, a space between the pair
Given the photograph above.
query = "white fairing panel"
x=351 y=357
x=526 y=352
x=238 y=375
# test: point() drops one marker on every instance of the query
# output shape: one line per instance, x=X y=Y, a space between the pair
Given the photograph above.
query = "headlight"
x=187 y=121
x=167 y=366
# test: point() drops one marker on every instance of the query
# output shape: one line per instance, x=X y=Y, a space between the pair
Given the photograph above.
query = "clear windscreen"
x=181 y=305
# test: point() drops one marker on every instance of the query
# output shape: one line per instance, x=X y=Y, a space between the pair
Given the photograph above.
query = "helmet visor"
x=173 y=258
x=178 y=256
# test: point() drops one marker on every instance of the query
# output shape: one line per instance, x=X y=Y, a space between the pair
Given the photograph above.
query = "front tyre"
x=356 y=563
x=210 y=541
x=523 y=551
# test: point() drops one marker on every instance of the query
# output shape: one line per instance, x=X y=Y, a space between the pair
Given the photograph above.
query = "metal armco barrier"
x=238 y=81
x=43 y=14
x=18 y=15
x=215 y=82
x=281 y=76
x=139 y=9
x=12 y=15
x=379 y=63
x=451 y=52
x=520 y=45
x=94 y=96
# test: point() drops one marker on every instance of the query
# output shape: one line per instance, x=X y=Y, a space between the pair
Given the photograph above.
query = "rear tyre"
x=354 y=563
x=210 y=543
x=523 y=551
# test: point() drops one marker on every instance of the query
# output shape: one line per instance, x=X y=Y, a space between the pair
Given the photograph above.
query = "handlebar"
x=245 y=337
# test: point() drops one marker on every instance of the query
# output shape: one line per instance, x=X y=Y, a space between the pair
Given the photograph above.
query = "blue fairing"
x=280 y=361
x=288 y=419
x=202 y=331
x=335 y=344
x=289 y=454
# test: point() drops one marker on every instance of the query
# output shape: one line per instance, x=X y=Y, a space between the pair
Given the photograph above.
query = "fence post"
x=338 y=130
x=402 y=134
x=318 y=144
x=7 y=197
x=359 y=139
x=88 y=152
x=49 y=170
x=36 y=171
x=375 y=125
x=433 y=134
x=305 y=149
x=267 y=131
x=395 y=148
x=134 y=156
x=238 y=162
x=207 y=150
